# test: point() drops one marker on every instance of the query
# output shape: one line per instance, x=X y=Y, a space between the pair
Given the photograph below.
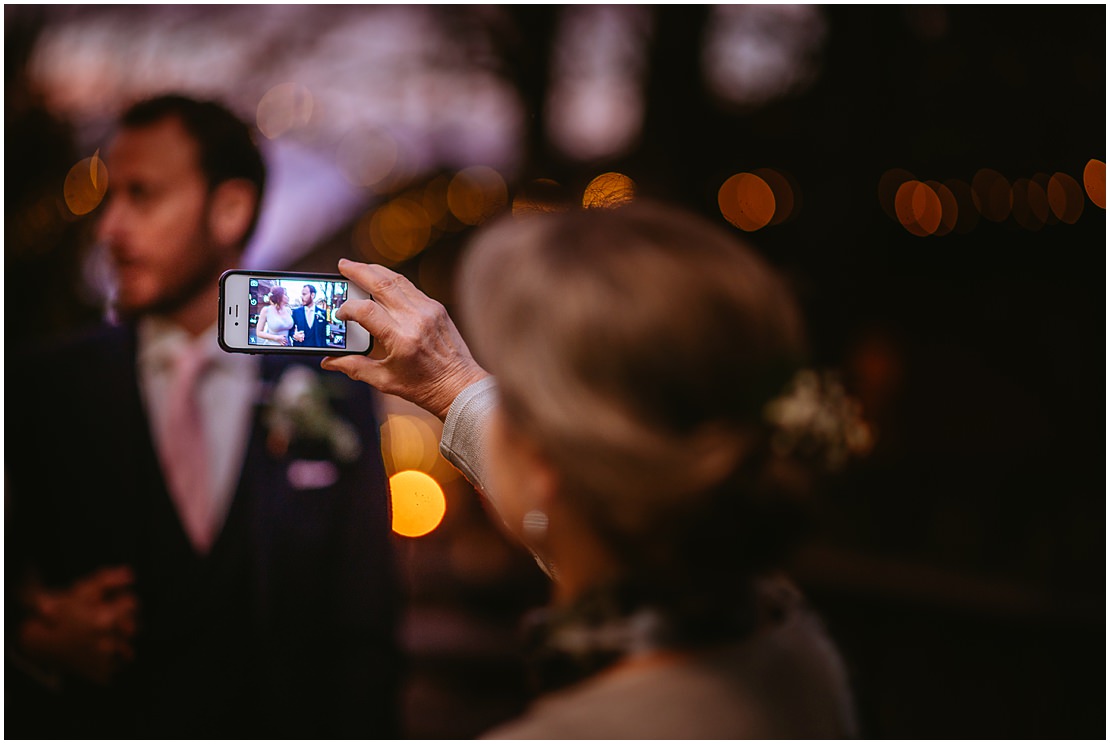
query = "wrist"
x=453 y=386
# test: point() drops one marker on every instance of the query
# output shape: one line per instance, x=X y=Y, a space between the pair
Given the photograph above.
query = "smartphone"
x=283 y=312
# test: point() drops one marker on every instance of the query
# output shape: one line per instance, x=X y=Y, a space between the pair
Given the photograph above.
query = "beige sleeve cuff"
x=463 y=440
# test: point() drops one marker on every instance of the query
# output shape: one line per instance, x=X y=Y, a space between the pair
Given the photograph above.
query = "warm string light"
x=540 y=196
x=752 y=201
x=608 y=190
x=418 y=503
x=932 y=208
x=418 y=472
x=1094 y=180
x=477 y=193
x=85 y=185
x=407 y=223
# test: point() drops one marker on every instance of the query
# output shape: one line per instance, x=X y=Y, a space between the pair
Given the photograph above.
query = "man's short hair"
x=311 y=289
x=226 y=146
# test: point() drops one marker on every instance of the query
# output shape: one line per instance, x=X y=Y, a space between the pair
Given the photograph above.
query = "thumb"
x=360 y=368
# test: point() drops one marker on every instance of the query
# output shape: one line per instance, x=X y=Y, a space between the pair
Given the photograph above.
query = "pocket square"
x=305 y=474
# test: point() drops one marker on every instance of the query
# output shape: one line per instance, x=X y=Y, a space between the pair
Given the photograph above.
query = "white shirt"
x=228 y=393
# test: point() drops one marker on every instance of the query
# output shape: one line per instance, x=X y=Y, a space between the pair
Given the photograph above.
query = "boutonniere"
x=299 y=417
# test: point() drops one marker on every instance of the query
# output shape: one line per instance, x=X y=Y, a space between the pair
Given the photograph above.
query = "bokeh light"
x=477 y=193
x=949 y=208
x=785 y=193
x=1065 y=198
x=361 y=242
x=408 y=443
x=400 y=229
x=85 y=185
x=918 y=208
x=284 y=108
x=992 y=194
x=1094 y=180
x=1043 y=181
x=418 y=503
x=1030 y=204
x=540 y=195
x=746 y=64
x=595 y=103
x=747 y=201
x=608 y=190
x=939 y=208
x=434 y=200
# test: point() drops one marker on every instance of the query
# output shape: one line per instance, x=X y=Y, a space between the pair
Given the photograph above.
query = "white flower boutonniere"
x=816 y=418
x=300 y=416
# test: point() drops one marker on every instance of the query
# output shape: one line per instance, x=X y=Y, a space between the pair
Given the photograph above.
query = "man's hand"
x=85 y=630
x=418 y=352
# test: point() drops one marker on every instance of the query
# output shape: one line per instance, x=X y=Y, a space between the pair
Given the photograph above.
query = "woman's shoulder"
x=785 y=681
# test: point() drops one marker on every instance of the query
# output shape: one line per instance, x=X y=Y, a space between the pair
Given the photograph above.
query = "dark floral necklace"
x=614 y=623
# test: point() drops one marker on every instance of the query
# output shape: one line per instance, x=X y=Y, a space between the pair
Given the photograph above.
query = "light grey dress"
x=784 y=682
x=277 y=324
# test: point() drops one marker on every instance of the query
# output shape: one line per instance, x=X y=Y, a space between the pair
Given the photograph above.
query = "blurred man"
x=178 y=566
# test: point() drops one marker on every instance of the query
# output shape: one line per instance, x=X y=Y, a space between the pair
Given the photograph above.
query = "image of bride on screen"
x=275 y=320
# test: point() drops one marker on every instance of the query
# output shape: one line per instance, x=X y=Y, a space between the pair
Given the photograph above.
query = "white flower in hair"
x=815 y=417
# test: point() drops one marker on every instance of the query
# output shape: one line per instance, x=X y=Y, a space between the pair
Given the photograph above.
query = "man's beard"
x=178 y=296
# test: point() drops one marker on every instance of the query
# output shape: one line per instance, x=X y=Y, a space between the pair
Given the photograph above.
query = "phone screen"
x=296 y=312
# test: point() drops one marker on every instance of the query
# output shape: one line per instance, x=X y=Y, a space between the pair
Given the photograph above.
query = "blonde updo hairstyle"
x=637 y=348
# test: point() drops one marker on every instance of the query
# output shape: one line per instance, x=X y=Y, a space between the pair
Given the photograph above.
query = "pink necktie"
x=184 y=451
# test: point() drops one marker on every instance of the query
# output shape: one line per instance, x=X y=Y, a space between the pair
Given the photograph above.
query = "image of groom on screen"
x=309 y=321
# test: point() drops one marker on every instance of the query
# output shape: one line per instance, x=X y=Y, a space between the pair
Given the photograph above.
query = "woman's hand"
x=418 y=352
x=280 y=338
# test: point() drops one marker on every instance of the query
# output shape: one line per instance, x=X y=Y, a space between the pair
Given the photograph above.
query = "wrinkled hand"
x=85 y=630
x=418 y=352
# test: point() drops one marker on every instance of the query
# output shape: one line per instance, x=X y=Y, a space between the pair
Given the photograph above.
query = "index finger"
x=385 y=286
x=369 y=315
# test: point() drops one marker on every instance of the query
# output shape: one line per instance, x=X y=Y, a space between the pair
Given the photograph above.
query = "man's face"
x=155 y=220
x=306 y=296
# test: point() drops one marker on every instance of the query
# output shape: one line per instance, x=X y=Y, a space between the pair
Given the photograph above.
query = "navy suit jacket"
x=314 y=336
x=286 y=629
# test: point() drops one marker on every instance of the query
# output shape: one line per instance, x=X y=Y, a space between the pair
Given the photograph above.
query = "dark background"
x=962 y=566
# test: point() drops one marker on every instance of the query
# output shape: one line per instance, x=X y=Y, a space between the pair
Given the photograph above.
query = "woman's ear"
x=230 y=210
